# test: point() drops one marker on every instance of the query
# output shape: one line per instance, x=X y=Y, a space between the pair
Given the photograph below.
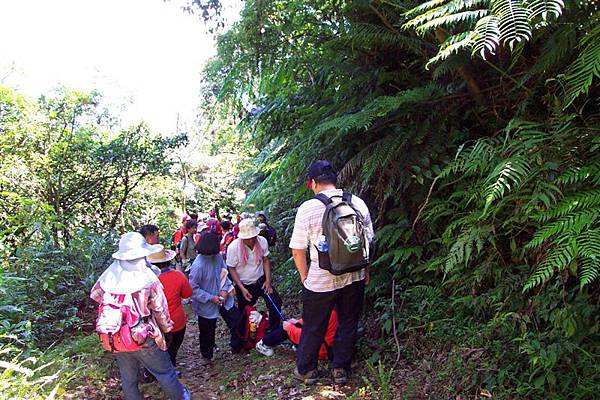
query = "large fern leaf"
x=505 y=176
x=487 y=35
x=514 y=21
x=584 y=69
x=558 y=258
x=545 y=8
x=589 y=268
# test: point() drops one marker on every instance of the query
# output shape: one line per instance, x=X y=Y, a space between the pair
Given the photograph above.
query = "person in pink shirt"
x=132 y=299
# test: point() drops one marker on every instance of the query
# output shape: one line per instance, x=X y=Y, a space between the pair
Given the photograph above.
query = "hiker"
x=176 y=238
x=322 y=290
x=133 y=316
x=180 y=232
x=227 y=237
x=176 y=287
x=291 y=330
x=250 y=270
x=151 y=234
x=187 y=246
x=239 y=218
x=213 y=223
x=271 y=235
x=213 y=295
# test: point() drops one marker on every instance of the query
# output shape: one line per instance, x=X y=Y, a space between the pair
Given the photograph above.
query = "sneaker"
x=340 y=376
x=187 y=395
x=309 y=378
x=263 y=349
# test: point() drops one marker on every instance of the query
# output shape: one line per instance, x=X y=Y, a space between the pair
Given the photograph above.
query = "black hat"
x=321 y=170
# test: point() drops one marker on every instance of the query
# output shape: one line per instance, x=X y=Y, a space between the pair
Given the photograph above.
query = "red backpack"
x=252 y=333
x=119 y=324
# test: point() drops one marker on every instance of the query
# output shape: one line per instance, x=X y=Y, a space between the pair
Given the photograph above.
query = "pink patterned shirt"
x=148 y=302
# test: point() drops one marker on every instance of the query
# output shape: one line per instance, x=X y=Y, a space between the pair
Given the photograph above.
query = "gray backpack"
x=347 y=246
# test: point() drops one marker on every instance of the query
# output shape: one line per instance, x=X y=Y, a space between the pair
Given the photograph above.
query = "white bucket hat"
x=133 y=245
x=247 y=229
x=162 y=256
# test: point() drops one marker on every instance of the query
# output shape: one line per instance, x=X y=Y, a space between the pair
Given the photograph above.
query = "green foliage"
x=482 y=25
x=579 y=76
x=482 y=175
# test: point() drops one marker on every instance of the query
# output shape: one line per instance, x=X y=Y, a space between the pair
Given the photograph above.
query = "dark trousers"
x=208 y=326
x=316 y=310
x=257 y=291
x=175 y=344
x=275 y=337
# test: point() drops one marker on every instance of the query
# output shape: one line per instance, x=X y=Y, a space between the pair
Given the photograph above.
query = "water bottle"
x=322 y=244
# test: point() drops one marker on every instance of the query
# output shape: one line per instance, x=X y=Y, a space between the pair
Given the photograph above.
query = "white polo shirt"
x=253 y=269
x=308 y=228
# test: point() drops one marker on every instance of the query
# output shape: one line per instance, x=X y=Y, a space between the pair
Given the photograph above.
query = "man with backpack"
x=337 y=229
x=187 y=246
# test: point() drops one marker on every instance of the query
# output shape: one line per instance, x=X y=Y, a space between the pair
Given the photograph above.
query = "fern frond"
x=428 y=5
x=589 y=268
x=487 y=36
x=574 y=222
x=371 y=36
x=546 y=8
x=577 y=201
x=378 y=108
x=505 y=176
x=579 y=174
x=558 y=258
x=399 y=256
x=440 y=10
x=470 y=16
x=584 y=69
x=588 y=244
x=514 y=21
x=452 y=45
x=472 y=240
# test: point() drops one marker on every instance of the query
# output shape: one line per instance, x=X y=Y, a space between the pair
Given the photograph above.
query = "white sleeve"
x=300 y=235
x=233 y=257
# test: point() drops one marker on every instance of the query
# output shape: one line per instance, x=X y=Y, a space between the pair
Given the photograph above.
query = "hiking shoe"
x=309 y=378
x=263 y=349
x=340 y=376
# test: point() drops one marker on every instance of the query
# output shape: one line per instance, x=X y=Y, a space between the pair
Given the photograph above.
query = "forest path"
x=247 y=375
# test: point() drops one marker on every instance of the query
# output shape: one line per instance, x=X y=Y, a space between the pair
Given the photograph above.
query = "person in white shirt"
x=322 y=290
x=250 y=270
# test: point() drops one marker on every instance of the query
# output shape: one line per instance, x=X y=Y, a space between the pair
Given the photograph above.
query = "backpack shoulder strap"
x=323 y=199
x=347 y=197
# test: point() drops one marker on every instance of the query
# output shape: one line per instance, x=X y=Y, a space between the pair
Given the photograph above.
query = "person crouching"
x=213 y=296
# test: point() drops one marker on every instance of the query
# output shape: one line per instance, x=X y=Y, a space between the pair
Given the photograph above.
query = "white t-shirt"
x=307 y=229
x=253 y=269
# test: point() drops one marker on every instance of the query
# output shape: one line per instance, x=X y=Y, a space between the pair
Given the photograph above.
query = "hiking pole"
x=274 y=306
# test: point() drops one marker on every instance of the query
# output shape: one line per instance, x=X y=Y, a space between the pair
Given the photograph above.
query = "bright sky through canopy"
x=149 y=52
